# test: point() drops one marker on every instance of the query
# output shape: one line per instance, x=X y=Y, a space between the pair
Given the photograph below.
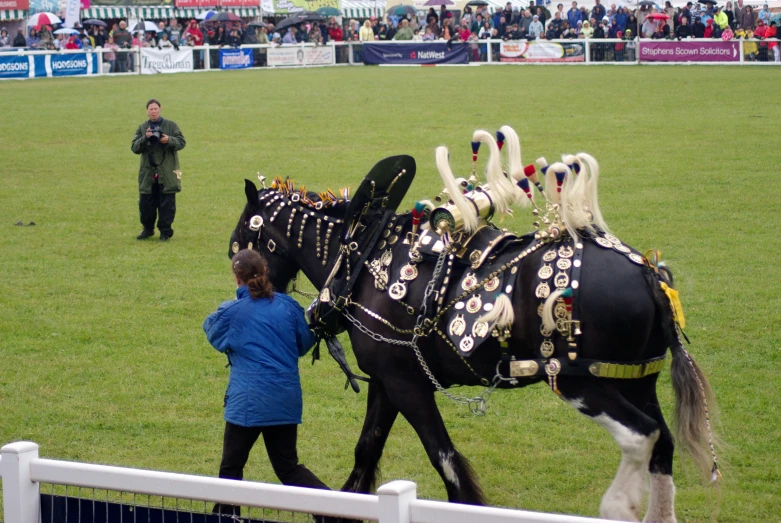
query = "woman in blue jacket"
x=263 y=334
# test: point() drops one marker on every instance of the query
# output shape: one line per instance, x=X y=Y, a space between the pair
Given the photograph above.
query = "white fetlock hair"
x=590 y=167
x=504 y=192
x=501 y=315
x=454 y=191
x=514 y=160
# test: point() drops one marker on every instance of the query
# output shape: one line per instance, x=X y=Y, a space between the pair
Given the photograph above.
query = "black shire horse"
x=625 y=317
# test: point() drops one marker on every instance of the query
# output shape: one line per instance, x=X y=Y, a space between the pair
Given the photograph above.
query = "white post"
x=207 y=57
x=490 y=50
x=21 y=498
x=742 y=54
x=394 y=498
x=588 y=50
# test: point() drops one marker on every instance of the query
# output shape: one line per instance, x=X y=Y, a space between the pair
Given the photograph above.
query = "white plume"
x=590 y=167
x=454 y=191
x=503 y=192
x=512 y=144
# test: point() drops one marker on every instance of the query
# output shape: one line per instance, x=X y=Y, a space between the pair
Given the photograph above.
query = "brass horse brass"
x=520 y=369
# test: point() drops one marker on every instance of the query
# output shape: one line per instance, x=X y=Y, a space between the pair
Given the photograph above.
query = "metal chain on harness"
x=294 y=290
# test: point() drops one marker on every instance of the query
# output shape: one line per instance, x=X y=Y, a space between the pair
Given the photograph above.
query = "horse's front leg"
x=415 y=400
x=380 y=416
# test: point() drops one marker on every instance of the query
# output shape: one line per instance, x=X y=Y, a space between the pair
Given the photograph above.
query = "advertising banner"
x=235 y=58
x=296 y=6
x=415 y=53
x=690 y=51
x=540 y=51
x=293 y=55
x=16 y=66
x=125 y=3
x=72 y=10
x=18 y=5
x=166 y=60
x=69 y=64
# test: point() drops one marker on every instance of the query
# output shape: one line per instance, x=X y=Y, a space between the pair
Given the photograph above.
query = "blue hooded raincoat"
x=263 y=340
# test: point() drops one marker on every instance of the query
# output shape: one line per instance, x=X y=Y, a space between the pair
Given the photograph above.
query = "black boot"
x=146 y=233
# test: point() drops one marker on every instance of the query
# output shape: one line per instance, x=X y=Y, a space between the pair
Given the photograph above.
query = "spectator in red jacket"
x=771 y=33
x=196 y=33
x=335 y=32
x=761 y=33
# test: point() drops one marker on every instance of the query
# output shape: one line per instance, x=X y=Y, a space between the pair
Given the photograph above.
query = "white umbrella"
x=66 y=31
x=147 y=27
x=43 y=19
x=205 y=15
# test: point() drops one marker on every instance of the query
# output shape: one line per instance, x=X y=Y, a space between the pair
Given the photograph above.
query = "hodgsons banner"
x=541 y=51
x=415 y=53
x=235 y=58
x=166 y=60
x=16 y=67
x=295 y=55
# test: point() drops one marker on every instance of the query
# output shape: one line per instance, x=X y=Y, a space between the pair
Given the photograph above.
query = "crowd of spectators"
x=534 y=23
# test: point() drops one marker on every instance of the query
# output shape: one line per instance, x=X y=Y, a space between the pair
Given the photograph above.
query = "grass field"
x=102 y=356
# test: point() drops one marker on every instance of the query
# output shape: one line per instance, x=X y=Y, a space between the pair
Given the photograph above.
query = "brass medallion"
x=547 y=348
x=565 y=251
x=387 y=258
x=561 y=325
x=457 y=326
x=545 y=331
x=561 y=280
x=235 y=247
x=492 y=284
x=386 y=233
x=622 y=248
x=553 y=367
x=612 y=239
x=637 y=258
x=539 y=309
x=542 y=290
x=469 y=282
x=474 y=258
x=545 y=272
x=467 y=344
x=474 y=304
x=393 y=239
x=381 y=244
x=549 y=256
x=603 y=243
x=398 y=290
x=560 y=311
x=325 y=295
x=409 y=272
x=480 y=329
x=564 y=264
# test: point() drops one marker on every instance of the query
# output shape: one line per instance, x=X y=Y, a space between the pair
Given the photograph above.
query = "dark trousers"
x=280 y=441
x=158 y=206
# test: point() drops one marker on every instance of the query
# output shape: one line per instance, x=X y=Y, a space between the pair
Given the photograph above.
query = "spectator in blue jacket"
x=574 y=16
x=263 y=334
x=598 y=12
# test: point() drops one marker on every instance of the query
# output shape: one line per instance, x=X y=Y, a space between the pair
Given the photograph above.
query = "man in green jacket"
x=159 y=179
x=404 y=32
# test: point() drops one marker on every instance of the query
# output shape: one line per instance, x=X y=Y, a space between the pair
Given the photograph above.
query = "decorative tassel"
x=500 y=139
x=675 y=304
x=531 y=173
x=475 y=148
x=345 y=192
x=501 y=316
x=523 y=183
x=559 y=179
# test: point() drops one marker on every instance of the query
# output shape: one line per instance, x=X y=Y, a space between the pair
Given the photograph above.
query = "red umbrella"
x=658 y=16
x=43 y=19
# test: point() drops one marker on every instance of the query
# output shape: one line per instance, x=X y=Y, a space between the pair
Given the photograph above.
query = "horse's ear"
x=252 y=193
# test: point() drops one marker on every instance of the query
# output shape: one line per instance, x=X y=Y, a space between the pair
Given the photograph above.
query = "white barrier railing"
x=23 y=471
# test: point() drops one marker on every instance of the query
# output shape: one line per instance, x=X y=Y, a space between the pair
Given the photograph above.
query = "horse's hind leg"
x=661 y=506
x=635 y=432
x=380 y=416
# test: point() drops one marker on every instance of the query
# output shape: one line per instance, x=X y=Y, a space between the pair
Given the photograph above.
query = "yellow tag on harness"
x=675 y=303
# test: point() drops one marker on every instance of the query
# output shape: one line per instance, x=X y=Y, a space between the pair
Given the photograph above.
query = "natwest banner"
x=541 y=51
x=696 y=51
x=10 y=5
x=166 y=61
x=416 y=53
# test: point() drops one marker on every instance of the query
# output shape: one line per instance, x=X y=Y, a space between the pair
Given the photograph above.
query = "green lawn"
x=103 y=359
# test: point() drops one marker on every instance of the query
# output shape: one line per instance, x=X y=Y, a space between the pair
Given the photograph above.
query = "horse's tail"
x=694 y=400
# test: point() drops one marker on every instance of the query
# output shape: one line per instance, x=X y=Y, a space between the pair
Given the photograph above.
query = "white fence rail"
x=396 y=502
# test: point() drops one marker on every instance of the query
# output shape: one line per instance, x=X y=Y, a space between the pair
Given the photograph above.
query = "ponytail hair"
x=250 y=268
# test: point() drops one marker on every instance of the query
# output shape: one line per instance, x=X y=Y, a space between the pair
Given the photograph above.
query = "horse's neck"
x=311 y=265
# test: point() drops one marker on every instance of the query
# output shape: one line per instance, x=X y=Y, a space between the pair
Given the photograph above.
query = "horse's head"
x=289 y=229
x=253 y=232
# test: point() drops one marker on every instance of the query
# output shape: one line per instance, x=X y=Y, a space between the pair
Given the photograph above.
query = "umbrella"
x=225 y=17
x=257 y=24
x=713 y=2
x=289 y=21
x=477 y=3
x=66 y=31
x=43 y=19
x=329 y=11
x=658 y=16
x=646 y=3
x=401 y=10
x=147 y=27
x=101 y=23
x=438 y=2
x=206 y=15
x=310 y=16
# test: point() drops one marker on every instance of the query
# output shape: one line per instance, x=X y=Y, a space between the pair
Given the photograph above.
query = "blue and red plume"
x=500 y=139
x=523 y=183
x=475 y=148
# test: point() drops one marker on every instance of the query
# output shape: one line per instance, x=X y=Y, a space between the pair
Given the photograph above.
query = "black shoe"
x=164 y=238
x=146 y=233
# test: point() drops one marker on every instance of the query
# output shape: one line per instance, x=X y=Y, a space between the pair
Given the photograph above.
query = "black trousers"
x=280 y=441
x=160 y=207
